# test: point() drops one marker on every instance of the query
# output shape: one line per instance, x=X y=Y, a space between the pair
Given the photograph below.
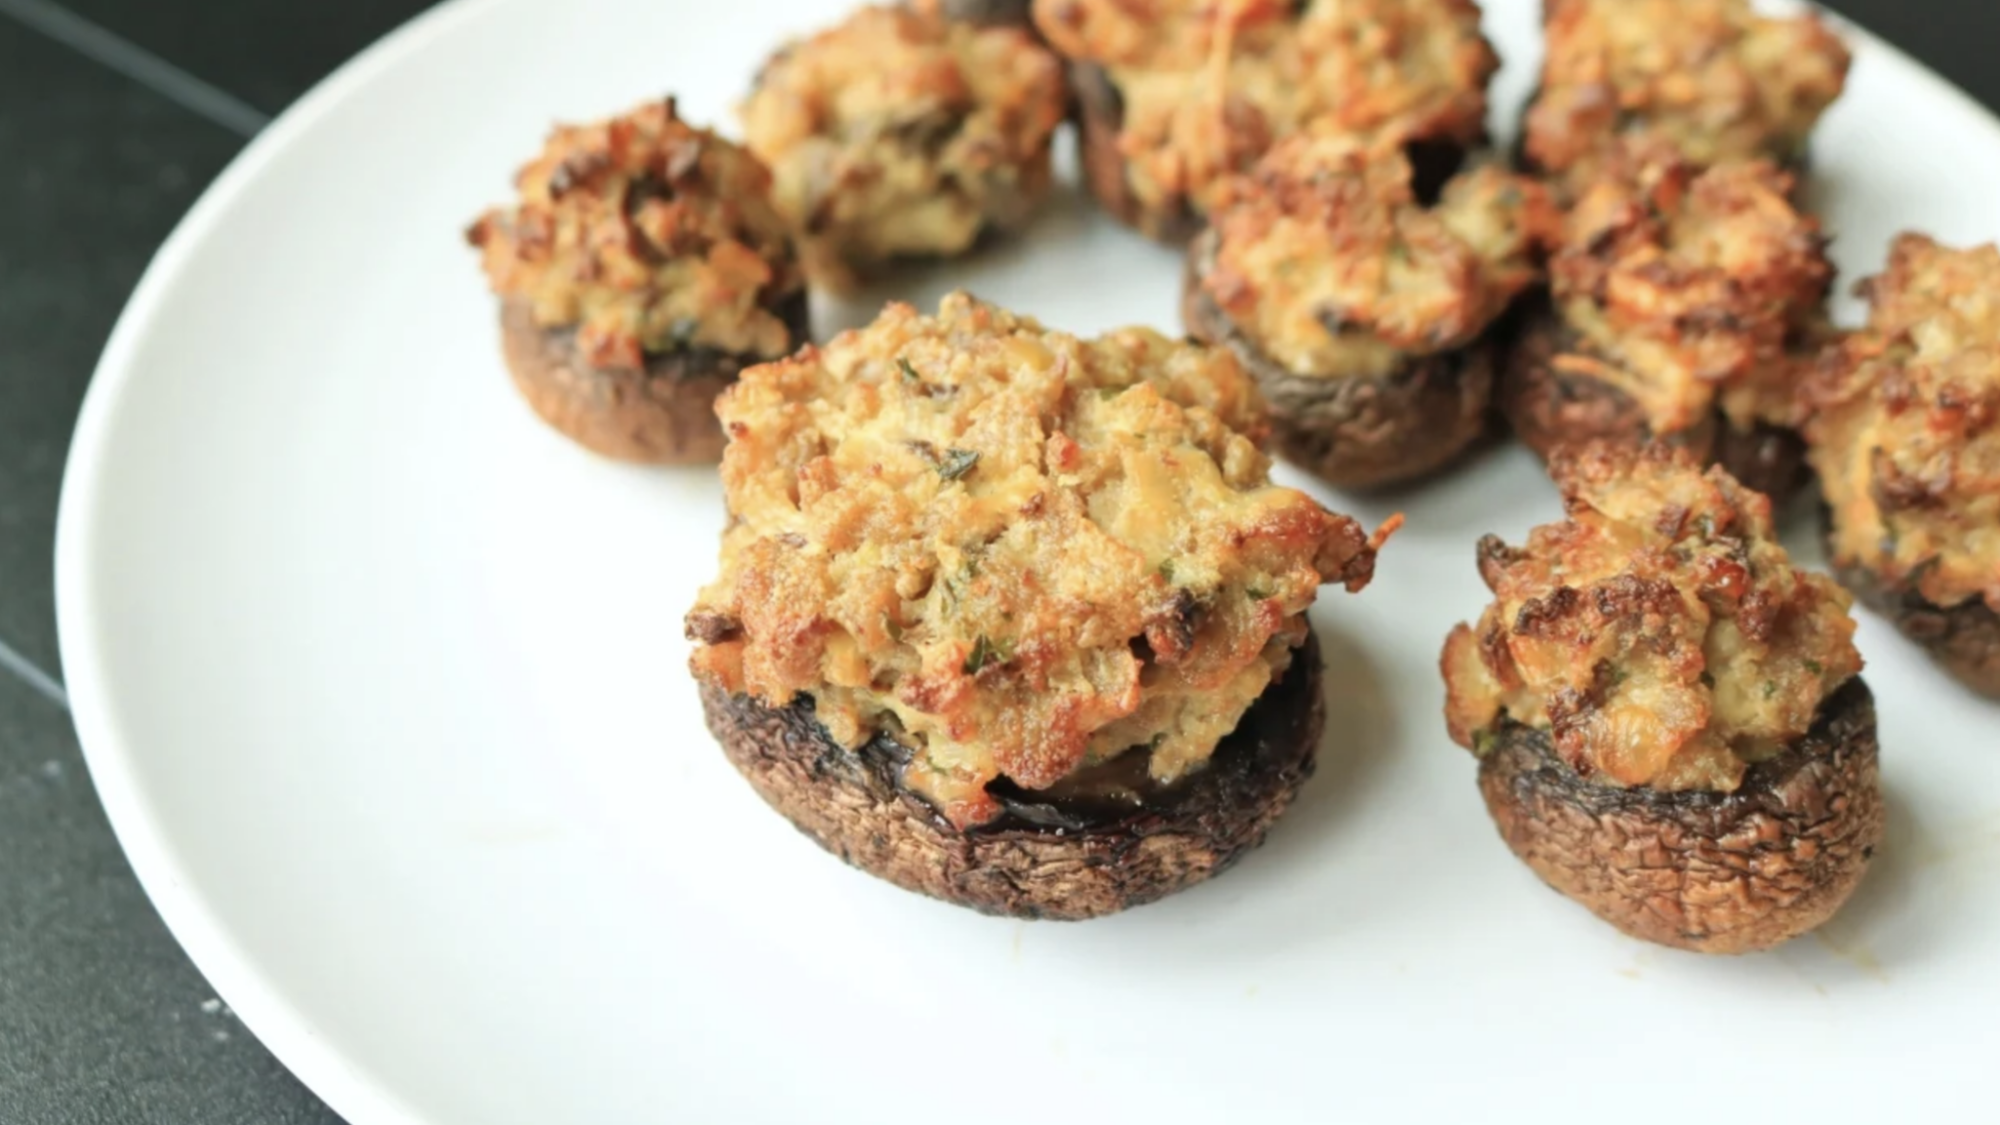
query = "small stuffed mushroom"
x=1712 y=77
x=642 y=268
x=1684 y=305
x=1012 y=618
x=1904 y=432
x=1177 y=96
x=1365 y=316
x=1668 y=715
x=900 y=134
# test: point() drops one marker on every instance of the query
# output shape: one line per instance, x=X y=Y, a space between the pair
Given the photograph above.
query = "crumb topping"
x=1207 y=86
x=1905 y=428
x=1016 y=551
x=901 y=133
x=1691 y=289
x=1659 y=633
x=648 y=236
x=1713 y=77
x=1326 y=261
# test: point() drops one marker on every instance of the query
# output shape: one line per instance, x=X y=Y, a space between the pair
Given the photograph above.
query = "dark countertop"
x=114 y=114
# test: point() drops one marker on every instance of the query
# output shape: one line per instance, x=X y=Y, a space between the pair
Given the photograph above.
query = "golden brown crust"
x=1063 y=861
x=1201 y=90
x=1905 y=427
x=1024 y=551
x=1365 y=432
x=900 y=133
x=1709 y=872
x=1699 y=289
x=663 y=414
x=1711 y=77
x=1324 y=258
x=1660 y=632
x=1550 y=407
x=645 y=236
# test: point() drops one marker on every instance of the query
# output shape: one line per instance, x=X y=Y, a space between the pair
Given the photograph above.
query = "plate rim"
x=289 y=1034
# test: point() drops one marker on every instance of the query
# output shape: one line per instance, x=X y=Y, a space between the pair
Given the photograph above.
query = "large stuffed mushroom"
x=641 y=269
x=1668 y=715
x=1684 y=305
x=1175 y=96
x=1905 y=436
x=1366 y=316
x=1012 y=618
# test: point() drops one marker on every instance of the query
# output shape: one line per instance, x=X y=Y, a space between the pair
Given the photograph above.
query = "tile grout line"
x=138 y=64
x=29 y=673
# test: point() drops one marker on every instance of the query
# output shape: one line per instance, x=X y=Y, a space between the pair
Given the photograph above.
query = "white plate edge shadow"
x=289 y=1033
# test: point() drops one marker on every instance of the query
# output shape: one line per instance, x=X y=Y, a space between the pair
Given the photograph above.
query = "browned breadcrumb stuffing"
x=1325 y=260
x=1659 y=633
x=1713 y=77
x=1905 y=426
x=647 y=235
x=1692 y=289
x=1208 y=85
x=1018 y=551
x=901 y=134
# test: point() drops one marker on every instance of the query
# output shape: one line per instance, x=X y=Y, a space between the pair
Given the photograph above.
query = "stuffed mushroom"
x=1365 y=316
x=1012 y=618
x=1714 y=78
x=1174 y=96
x=1684 y=305
x=1668 y=715
x=902 y=134
x=642 y=268
x=1905 y=436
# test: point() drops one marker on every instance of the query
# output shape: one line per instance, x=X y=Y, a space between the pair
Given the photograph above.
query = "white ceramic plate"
x=383 y=686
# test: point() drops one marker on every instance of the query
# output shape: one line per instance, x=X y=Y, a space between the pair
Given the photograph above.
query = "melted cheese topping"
x=649 y=236
x=1325 y=260
x=1691 y=288
x=903 y=134
x=1660 y=633
x=1208 y=85
x=1017 y=551
x=1906 y=434
x=1712 y=76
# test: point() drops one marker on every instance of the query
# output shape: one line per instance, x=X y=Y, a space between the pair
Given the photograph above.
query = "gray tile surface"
x=266 y=52
x=102 y=1018
x=94 y=171
x=1953 y=37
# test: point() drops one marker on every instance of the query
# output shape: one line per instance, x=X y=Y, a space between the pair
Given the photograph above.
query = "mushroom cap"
x=1046 y=857
x=1710 y=872
x=663 y=415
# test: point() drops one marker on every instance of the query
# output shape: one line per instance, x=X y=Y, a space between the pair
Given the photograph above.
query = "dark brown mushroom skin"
x=1100 y=113
x=1703 y=871
x=988 y=13
x=1548 y=408
x=662 y=415
x=1051 y=856
x=1964 y=639
x=1357 y=433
